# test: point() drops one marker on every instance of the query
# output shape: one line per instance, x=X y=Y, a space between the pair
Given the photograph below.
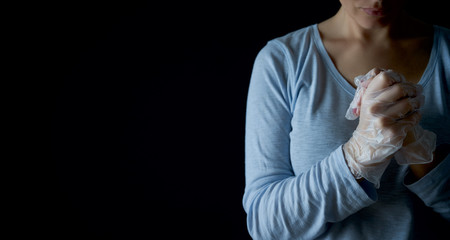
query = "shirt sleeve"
x=280 y=204
x=434 y=188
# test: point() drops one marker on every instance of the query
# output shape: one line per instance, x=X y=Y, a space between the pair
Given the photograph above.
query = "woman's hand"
x=388 y=111
x=418 y=147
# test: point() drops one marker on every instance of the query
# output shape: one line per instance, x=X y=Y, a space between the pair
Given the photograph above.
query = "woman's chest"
x=353 y=59
x=318 y=122
x=319 y=126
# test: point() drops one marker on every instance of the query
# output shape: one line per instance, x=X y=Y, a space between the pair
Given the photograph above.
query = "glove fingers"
x=397 y=91
x=403 y=108
x=382 y=81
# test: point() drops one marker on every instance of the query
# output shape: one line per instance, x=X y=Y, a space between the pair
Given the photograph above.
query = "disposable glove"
x=419 y=150
x=387 y=106
x=419 y=145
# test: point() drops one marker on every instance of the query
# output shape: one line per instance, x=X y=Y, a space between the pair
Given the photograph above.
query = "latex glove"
x=388 y=110
x=418 y=147
x=362 y=82
x=419 y=144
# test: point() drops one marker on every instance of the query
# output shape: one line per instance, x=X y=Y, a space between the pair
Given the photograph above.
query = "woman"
x=305 y=179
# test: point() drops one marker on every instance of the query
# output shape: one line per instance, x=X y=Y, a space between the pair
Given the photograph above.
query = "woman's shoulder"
x=443 y=29
x=288 y=53
x=295 y=39
x=443 y=33
x=292 y=46
x=442 y=42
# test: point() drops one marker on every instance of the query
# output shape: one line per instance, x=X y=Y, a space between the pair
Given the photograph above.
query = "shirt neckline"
x=426 y=76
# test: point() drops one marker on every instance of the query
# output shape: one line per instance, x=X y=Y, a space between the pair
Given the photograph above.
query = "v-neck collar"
x=426 y=76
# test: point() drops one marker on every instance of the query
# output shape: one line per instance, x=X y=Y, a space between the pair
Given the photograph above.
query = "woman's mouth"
x=376 y=12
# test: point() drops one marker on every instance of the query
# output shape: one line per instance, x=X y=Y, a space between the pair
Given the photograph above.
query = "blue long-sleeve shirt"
x=298 y=185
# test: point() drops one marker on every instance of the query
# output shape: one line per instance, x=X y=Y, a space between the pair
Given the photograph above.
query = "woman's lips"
x=376 y=12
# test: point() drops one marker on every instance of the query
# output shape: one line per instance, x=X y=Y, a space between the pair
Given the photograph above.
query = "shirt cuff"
x=431 y=187
x=364 y=190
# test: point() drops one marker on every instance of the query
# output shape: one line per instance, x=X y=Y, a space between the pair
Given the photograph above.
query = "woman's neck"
x=345 y=27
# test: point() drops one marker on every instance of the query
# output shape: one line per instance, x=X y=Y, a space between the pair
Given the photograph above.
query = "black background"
x=148 y=112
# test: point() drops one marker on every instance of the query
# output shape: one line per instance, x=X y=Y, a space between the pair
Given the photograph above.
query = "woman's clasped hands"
x=388 y=110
